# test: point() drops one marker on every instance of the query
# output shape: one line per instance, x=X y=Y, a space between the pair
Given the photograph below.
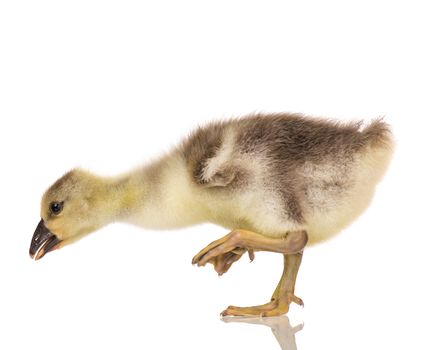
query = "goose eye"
x=56 y=207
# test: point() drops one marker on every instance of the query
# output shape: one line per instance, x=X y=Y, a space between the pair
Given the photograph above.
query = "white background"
x=107 y=85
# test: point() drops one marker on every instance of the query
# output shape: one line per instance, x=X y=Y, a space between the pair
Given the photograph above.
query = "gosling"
x=277 y=182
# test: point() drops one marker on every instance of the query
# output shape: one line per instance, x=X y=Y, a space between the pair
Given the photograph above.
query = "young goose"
x=279 y=182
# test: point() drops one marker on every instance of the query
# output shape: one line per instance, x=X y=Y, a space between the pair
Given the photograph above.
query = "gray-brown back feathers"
x=286 y=140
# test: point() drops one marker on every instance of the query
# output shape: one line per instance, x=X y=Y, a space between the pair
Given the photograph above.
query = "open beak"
x=43 y=241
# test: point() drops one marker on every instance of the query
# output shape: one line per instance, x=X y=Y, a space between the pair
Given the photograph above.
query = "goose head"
x=69 y=211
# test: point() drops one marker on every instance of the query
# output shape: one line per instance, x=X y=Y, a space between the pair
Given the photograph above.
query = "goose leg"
x=282 y=296
x=291 y=246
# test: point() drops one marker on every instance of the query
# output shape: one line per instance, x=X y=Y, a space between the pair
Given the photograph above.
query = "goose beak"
x=43 y=241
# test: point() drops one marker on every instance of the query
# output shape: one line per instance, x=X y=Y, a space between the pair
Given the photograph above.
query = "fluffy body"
x=270 y=174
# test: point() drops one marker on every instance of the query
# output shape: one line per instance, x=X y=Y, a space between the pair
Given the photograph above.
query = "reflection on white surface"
x=280 y=326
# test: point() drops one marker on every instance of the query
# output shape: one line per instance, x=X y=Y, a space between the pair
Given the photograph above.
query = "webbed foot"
x=275 y=307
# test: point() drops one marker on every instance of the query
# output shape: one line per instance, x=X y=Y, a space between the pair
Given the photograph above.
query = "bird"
x=277 y=182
